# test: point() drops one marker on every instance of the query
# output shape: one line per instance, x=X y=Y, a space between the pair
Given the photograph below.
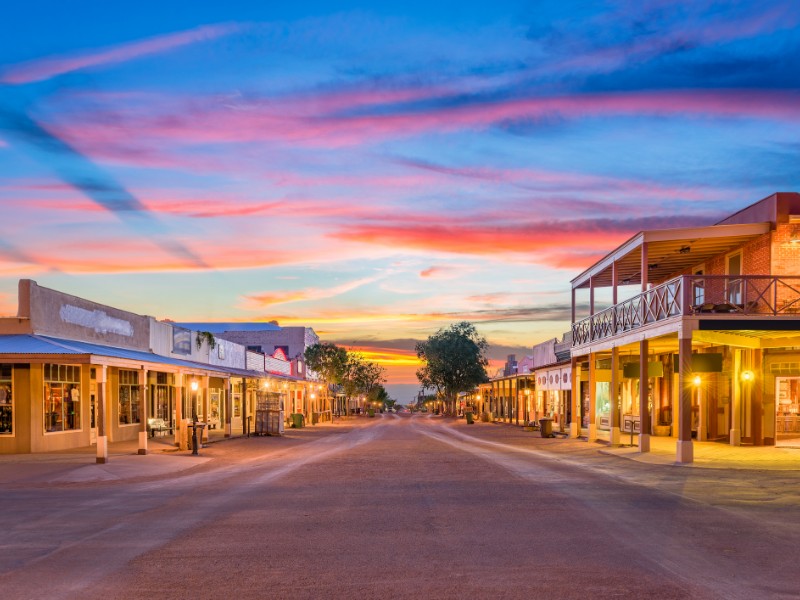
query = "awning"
x=669 y=251
x=40 y=344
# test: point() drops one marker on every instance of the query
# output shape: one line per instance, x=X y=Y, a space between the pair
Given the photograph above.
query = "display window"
x=62 y=398
x=6 y=400
x=603 y=405
x=788 y=408
x=129 y=397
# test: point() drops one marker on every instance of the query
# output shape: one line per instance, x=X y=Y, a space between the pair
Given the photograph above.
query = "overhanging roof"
x=40 y=344
x=669 y=251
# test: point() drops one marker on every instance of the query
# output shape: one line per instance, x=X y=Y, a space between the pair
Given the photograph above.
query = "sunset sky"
x=378 y=171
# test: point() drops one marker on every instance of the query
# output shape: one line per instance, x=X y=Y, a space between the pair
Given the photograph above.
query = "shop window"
x=129 y=397
x=62 y=397
x=6 y=400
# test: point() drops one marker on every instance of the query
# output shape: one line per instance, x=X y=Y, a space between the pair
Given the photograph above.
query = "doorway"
x=787 y=412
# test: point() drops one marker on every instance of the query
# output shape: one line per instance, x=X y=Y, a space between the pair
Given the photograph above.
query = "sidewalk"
x=79 y=465
x=714 y=455
x=707 y=455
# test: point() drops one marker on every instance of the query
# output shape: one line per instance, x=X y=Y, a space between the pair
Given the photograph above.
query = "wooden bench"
x=158 y=425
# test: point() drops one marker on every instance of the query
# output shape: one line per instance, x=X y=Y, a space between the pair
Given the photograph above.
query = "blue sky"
x=378 y=171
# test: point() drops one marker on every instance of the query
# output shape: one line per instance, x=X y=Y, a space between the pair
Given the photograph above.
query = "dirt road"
x=407 y=507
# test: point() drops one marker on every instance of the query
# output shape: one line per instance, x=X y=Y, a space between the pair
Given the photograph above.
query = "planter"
x=662 y=430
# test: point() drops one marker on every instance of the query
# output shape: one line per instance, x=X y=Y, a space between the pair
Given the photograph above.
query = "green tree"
x=361 y=376
x=329 y=361
x=455 y=361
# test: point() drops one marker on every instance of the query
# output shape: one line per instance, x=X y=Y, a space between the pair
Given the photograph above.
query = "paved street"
x=398 y=507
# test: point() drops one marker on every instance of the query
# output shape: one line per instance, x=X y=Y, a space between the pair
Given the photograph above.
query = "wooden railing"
x=691 y=295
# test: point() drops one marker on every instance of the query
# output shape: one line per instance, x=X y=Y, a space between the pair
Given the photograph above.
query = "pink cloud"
x=45 y=68
x=215 y=121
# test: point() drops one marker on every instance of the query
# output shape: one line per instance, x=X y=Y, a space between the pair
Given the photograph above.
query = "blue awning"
x=40 y=344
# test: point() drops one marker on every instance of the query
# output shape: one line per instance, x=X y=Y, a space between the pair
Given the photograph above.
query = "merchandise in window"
x=129 y=396
x=6 y=400
x=62 y=397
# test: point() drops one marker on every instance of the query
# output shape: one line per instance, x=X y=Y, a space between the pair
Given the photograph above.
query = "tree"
x=329 y=361
x=361 y=376
x=455 y=361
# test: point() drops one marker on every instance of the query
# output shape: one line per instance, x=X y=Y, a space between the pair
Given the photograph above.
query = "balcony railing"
x=691 y=295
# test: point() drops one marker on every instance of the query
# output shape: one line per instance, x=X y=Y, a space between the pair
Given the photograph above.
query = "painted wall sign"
x=97 y=320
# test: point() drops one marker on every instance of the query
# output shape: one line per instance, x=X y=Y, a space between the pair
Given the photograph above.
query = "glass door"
x=734 y=269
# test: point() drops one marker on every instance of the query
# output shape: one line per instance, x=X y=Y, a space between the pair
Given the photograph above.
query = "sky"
x=378 y=171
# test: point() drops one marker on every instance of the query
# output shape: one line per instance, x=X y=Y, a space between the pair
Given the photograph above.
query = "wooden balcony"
x=734 y=296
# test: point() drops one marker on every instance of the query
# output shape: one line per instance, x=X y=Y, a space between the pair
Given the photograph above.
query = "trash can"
x=298 y=420
x=370 y=412
x=546 y=427
x=468 y=416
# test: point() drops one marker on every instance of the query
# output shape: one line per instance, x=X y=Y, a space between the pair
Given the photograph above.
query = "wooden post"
x=205 y=394
x=178 y=408
x=757 y=399
x=592 y=397
x=614 y=398
x=228 y=407
x=144 y=412
x=685 y=450
x=644 y=407
x=575 y=384
x=102 y=436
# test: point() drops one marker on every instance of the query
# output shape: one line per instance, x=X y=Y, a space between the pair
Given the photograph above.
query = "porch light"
x=478 y=397
x=193 y=385
x=747 y=376
x=527 y=391
x=697 y=380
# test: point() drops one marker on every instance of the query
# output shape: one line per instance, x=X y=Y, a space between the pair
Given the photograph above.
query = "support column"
x=245 y=428
x=102 y=435
x=702 y=413
x=575 y=384
x=205 y=395
x=757 y=399
x=738 y=387
x=644 y=400
x=228 y=407
x=516 y=401
x=592 y=437
x=614 y=435
x=144 y=413
x=685 y=449
x=178 y=409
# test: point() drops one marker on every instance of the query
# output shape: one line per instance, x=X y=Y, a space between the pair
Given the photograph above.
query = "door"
x=734 y=287
x=698 y=287
x=92 y=416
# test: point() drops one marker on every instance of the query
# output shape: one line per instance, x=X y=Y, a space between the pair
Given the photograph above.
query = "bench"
x=158 y=425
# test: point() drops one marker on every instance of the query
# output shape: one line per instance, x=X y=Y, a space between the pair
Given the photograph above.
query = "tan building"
x=75 y=373
x=700 y=335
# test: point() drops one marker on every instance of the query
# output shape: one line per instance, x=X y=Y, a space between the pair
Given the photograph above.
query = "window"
x=62 y=397
x=129 y=395
x=6 y=400
x=698 y=284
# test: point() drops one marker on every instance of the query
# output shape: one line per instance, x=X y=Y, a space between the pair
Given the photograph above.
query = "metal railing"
x=690 y=295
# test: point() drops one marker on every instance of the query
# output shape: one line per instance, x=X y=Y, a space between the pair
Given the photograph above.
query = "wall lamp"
x=748 y=376
x=697 y=381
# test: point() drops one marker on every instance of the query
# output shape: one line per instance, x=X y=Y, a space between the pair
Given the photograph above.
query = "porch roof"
x=40 y=344
x=669 y=251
